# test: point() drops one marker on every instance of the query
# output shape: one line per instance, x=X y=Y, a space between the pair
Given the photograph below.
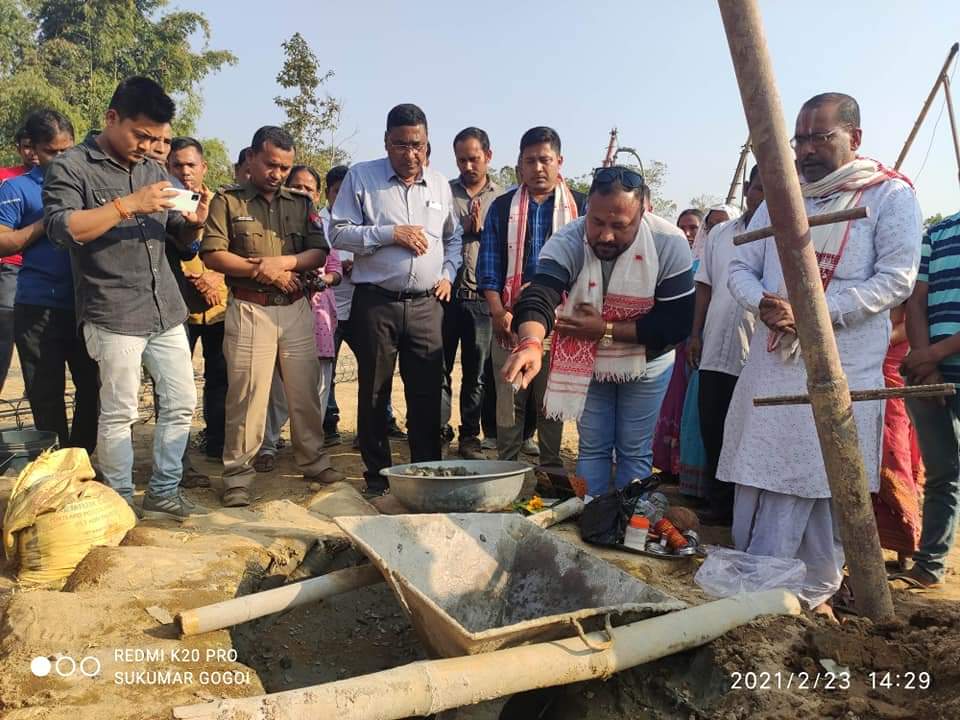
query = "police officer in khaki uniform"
x=262 y=236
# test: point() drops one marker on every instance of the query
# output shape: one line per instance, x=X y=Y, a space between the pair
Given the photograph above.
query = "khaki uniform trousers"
x=511 y=412
x=256 y=339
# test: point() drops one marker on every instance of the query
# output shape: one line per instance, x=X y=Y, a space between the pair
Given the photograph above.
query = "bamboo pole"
x=611 y=155
x=256 y=605
x=738 y=173
x=432 y=686
x=826 y=382
x=948 y=98
x=926 y=106
x=856 y=213
x=914 y=391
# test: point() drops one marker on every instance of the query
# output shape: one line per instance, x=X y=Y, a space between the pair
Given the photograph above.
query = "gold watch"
x=607 y=339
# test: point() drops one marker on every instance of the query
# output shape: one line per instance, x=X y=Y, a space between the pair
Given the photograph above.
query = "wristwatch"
x=607 y=339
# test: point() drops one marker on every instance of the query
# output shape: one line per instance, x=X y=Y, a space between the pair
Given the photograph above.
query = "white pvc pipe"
x=558 y=513
x=432 y=686
x=248 y=607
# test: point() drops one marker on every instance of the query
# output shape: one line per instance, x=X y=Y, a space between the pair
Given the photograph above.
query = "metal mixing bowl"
x=497 y=483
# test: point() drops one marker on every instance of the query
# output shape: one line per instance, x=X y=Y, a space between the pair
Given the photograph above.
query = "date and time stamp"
x=830 y=681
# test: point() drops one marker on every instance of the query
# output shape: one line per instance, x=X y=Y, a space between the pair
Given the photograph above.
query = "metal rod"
x=926 y=106
x=948 y=97
x=826 y=382
x=914 y=391
x=856 y=213
x=738 y=173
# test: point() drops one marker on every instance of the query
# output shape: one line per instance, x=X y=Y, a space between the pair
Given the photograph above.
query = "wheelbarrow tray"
x=477 y=582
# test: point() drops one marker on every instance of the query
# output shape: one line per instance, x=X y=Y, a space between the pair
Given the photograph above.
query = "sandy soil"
x=106 y=600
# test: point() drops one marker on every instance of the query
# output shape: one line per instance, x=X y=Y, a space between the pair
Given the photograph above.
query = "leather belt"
x=395 y=294
x=464 y=294
x=268 y=299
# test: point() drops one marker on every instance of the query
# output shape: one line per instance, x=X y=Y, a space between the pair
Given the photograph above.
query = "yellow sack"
x=57 y=512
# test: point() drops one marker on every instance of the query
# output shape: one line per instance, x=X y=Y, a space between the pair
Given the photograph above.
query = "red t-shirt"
x=5 y=174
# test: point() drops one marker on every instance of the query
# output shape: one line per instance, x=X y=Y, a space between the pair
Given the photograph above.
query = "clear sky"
x=659 y=71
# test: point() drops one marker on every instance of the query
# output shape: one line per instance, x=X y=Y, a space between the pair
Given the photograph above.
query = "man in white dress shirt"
x=783 y=504
x=719 y=343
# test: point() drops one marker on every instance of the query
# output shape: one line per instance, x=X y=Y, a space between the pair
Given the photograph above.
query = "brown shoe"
x=235 y=497
x=326 y=477
x=194 y=479
x=470 y=449
x=916 y=578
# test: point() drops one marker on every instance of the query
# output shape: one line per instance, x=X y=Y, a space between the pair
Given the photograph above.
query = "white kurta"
x=728 y=327
x=776 y=448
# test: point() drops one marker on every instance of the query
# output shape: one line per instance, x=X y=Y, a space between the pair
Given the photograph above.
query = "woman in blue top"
x=45 y=327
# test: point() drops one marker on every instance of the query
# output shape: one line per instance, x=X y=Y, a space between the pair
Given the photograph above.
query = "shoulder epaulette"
x=229 y=188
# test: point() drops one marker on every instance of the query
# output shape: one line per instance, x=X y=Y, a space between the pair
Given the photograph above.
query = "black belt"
x=464 y=294
x=395 y=294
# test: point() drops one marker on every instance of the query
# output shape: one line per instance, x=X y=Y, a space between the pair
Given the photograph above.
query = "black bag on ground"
x=605 y=518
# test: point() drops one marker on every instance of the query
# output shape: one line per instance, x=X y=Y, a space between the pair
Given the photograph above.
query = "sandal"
x=235 y=497
x=265 y=463
x=916 y=578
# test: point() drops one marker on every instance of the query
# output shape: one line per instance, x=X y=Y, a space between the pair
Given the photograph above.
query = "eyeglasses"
x=405 y=147
x=816 y=139
x=630 y=179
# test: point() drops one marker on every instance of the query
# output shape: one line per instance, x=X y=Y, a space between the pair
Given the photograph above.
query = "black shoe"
x=446 y=435
x=395 y=433
x=356 y=442
x=375 y=490
x=331 y=438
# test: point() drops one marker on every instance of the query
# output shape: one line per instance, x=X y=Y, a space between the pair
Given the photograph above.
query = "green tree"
x=70 y=55
x=933 y=220
x=312 y=115
x=504 y=177
x=219 y=164
x=705 y=202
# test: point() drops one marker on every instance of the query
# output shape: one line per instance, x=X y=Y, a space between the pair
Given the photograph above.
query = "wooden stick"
x=857 y=213
x=926 y=106
x=429 y=687
x=948 y=98
x=829 y=392
x=611 y=155
x=738 y=173
x=914 y=391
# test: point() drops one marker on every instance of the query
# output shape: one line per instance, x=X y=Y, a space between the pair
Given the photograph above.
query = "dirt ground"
x=110 y=605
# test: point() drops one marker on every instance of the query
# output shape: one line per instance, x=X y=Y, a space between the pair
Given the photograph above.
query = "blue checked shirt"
x=492 y=261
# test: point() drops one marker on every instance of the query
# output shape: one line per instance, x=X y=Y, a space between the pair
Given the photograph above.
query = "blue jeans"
x=938 y=432
x=621 y=417
x=167 y=359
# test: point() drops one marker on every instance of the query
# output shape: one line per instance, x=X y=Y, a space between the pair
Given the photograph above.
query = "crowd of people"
x=653 y=337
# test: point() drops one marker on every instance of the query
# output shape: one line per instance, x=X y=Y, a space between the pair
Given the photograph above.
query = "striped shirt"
x=940 y=269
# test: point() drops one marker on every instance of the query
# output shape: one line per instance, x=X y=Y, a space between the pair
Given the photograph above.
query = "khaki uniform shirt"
x=242 y=221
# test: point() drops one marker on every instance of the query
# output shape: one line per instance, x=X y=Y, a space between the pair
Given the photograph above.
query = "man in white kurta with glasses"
x=783 y=505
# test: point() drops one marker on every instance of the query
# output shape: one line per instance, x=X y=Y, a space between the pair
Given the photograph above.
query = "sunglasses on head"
x=629 y=179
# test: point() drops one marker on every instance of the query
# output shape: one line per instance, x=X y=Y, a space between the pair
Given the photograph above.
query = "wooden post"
x=739 y=172
x=926 y=106
x=854 y=213
x=611 y=155
x=826 y=382
x=948 y=98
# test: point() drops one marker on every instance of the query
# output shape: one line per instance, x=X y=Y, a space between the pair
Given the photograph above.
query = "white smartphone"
x=185 y=201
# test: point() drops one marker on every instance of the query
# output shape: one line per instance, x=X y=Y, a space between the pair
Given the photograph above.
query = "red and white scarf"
x=575 y=362
x=564 y=211
x=844 y=187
